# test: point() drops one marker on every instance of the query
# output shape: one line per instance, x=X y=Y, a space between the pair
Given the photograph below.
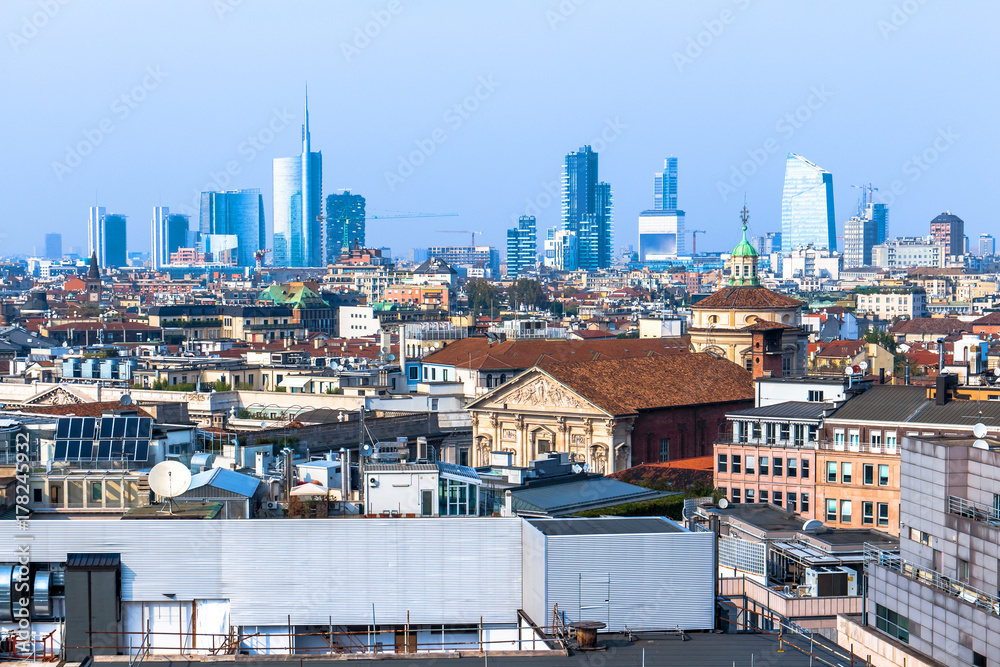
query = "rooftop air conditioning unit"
x=272 y=505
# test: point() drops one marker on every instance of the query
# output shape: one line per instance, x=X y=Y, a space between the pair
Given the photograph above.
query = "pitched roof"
x=749 y=298
x=838 y=349
x=626 y=386
x=929 y=325
x=81 y=409
x=989 y=318
x=766 y=325
x=225 y=479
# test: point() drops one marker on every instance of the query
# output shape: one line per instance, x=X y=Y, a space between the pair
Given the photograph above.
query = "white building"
x=357 y=321
x=809 y=262
x=911 y=251
x=890 y=302
x=661 y=235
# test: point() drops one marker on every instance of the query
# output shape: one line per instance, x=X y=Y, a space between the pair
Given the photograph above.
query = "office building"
x=807 y=206
x=298 y=203
x=53 y=246
x=168 y=234
x=587 y=210
x=908 y=252
x=949 y=231
x=661 y=229
x=767 y=244
x=238 y=213
x=880 y=214
x=106 y=235
x=345 y=224
x=522 y=245
x=859 y=239
x=665 y=186
x=468 y=257
x=560 y=249
x=987 y=245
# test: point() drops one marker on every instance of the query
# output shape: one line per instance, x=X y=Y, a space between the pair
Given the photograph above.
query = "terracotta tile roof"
x=81 y=409
x=839 y=349
x=525 y=353
x=626 y=386
x=990 y=318
x=766 y=325
x=930 y=325
x=746 y=298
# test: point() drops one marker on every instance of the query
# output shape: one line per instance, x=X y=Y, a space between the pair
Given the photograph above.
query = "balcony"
x=764 y=442
x=791 y=606
x=975 y=511
x=861 y=447
x=932 y=579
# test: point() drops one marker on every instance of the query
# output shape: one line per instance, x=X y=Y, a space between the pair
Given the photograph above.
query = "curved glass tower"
x=298 y=205
x=807 y=206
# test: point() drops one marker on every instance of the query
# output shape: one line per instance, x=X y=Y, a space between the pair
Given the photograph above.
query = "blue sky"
x=168 y=97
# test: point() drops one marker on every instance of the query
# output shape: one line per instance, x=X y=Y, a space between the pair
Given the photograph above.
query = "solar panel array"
x=103 y=439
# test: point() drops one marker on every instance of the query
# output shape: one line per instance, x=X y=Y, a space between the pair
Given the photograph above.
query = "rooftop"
x=616 y=526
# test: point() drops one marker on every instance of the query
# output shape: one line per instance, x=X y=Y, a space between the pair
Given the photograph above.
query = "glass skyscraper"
x=661 y=229
x=345 y=223
x=665 y=187
x=587 y=210
x=807 y=206
x=298 y=205
x=53 y=246
x=107 y=237
x=168 y=234
x=522 y=245
x=238 y=213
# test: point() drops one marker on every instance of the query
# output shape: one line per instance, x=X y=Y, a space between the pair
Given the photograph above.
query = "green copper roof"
x=744 y=249
x=298 y=296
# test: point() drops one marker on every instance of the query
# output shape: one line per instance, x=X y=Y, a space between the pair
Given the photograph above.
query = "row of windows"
x=773 y=433
x=776 y=466
x=846 y=470
x=868 y=512
x=775 y=497
x=893 y=624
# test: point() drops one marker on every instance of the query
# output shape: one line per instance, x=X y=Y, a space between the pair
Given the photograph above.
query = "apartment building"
x=889 y=303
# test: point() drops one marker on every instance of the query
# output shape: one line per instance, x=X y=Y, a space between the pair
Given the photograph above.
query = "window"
x=883 y=474
x=756 y=431
x=920 y=536
x=743 y=430
x=867 y=513
x=736 y=495
x=815 y=396
x=792 y=502
x=805 y=502
x=737 y=464
x=890 y=442
x=868 y=471
x=777 y=466
x=770 y=433
x=723 y=463
x=831 y=511
x=799 y=435
x=748 y=363
x=750 y=465
x=854 y=440
x=792 y=468
x=978 y=659
x=831 y=471
x=846 y=470
x=723 y=491
x=892 y=624
x=95 y=491
x=838 y=439
x=805 y=469
x=764 y=467
x=434 y=404
x=845 y=511
x=777 y=498
x=763 y=495
x=664 y=449
x=444 y=374
x=785 y=431
x=750 y=495
x=883 y=514
x=876 y=439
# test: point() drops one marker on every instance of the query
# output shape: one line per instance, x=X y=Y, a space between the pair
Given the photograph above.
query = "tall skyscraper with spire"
x=298 y=205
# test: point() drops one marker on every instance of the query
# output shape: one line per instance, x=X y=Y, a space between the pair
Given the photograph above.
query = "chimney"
x=881 y=376
x=941 y=389
x=906 y=375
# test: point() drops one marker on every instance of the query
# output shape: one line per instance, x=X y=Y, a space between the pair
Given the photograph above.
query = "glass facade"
x=807 y=206
x=298 y=206
x=345 y=223
x=115 y=246
x=587 y=210
x=522 y=245
x=238 y=213
x=665 y=186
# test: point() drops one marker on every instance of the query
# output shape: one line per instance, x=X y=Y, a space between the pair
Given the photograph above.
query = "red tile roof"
x=748 y=298
x=81 y=409
x=941 y=326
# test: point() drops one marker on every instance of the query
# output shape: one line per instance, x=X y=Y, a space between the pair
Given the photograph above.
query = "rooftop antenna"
x=169 y=479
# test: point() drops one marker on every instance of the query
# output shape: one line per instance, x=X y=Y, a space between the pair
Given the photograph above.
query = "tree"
x=883 y=338
x=527 y=292
x=556 y=308
x=481 y=294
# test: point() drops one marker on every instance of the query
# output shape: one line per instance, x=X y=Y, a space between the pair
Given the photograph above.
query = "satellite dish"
x=723 y=503
x=577 y=468
x=169 y=479
x=812 y=525
x=125 y=400
x=849 y=370
x=392 y=357
x=385 y=350
x=367 y=450
x=863 y=365
x=981 y=444
x=979 y=430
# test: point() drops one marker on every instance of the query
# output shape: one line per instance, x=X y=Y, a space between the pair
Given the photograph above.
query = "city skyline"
x=930 y=145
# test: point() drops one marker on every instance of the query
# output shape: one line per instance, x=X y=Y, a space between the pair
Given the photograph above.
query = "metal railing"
x=975 y=511
x=932 y=578
x=863 y=447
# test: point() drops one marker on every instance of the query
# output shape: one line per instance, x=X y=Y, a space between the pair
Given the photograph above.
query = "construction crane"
x=346 y=242
x=460 y=231
x=259 y=256
x=866 y=197
x=694 y=240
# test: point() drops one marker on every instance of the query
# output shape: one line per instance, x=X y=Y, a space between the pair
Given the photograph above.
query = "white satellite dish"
x=979 y=430
x=812 y=525
x=981 y=444
x=169 y=479
x=863 y=365
x=723 y=503
x=125 y=400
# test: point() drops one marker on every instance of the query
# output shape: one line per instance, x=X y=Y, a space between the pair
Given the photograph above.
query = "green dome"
x=744 y=249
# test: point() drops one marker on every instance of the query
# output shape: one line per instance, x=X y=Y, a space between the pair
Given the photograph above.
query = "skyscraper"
x=949 y=230
x=661 y=229
x=522 y=245
x=53 y=246
x=859 y=239
x=807 y=206
x=167 y=235
x=107 y=237
x=238 y=213
x=345 y=223
x=298 y=205
x=665 y=186
x=987 y=245
x=587 y=210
